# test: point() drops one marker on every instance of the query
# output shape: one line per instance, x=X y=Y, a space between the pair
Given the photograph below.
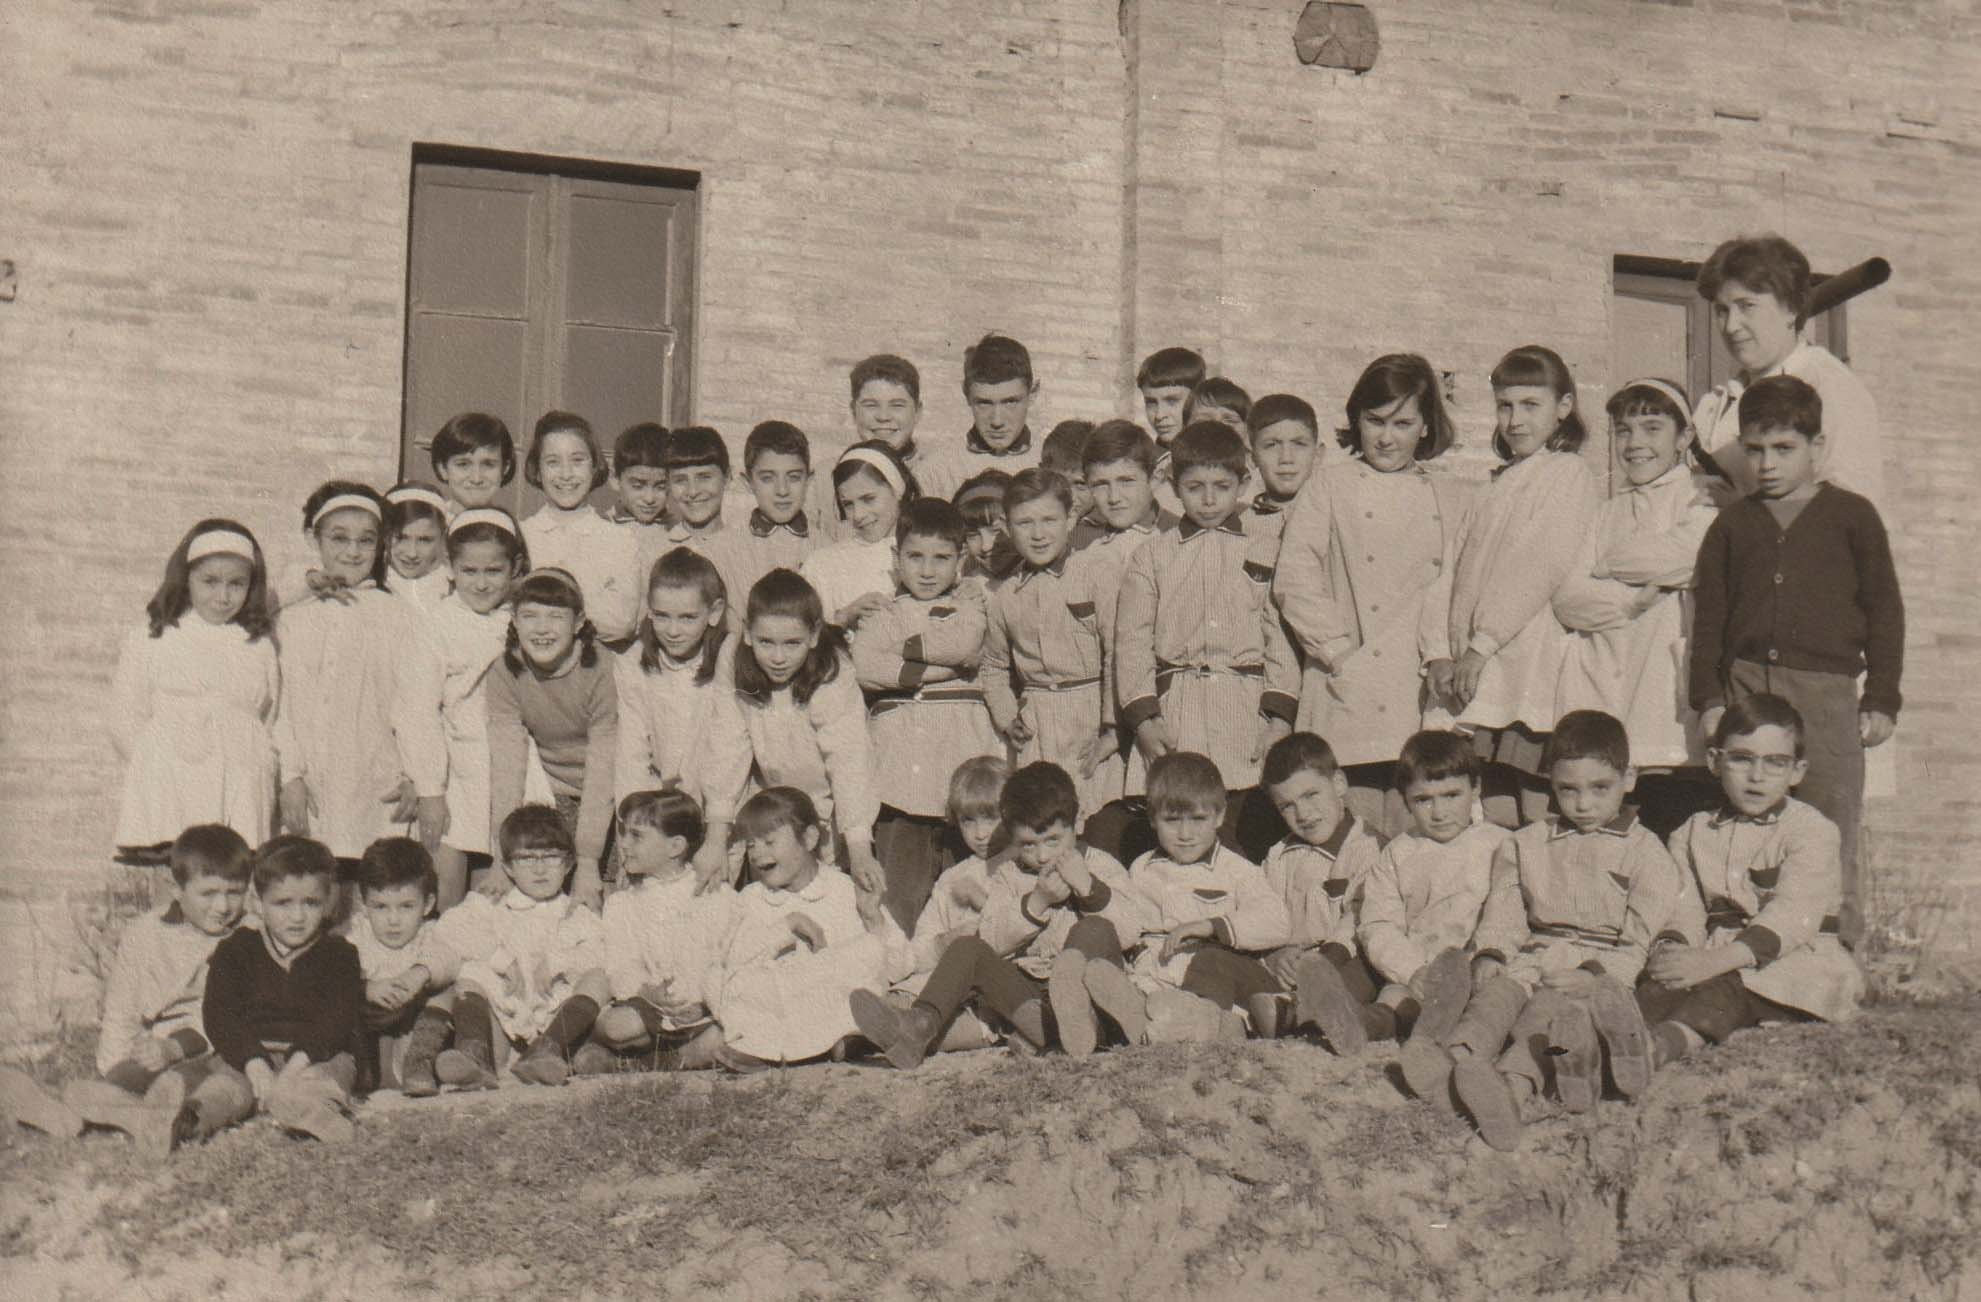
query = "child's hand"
x=873 y=916
x=1271 y=729
x=1709 y=721
x=969 y=893
x=1438 y=675
x=154 y=1053
x=587 y=888
x=1095 y=751
x=404 y=799
x=1050 y=889
x=1071 y=868
x=325 y=588
x=1152 y=739
x=1284 y=963
x=1465 y=679
x=865 y=869
x=711 y=864
x=1187 y=936
x=379 y=993
x=297 y=806
x=495 y=883
x=1680 y=967
x=1576 y=982
x=1020 y=732
x=433 y=820
x=807 y=931
x=850 y=614
x=1875 y=727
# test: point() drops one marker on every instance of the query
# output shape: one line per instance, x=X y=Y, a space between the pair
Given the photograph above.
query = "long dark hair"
x=786 y=592
x=682 y=568
x=175 y=593
x=1543 y=368
x=549 y=587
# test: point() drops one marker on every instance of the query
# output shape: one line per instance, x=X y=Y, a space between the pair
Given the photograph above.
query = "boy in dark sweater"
x=1797 y=596
x=285 y=1004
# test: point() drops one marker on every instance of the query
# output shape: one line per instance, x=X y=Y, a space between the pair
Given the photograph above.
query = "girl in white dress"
x=856 y=575
x=669 y=680
x=193 y=695
x=416 y=544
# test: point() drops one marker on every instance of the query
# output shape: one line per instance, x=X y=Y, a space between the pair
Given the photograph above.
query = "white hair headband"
x=1665 y=387
x=881 y=465
x=349 y=502
x=563 y=578
x=220 y=542
x=415 y=493
x=483 y=515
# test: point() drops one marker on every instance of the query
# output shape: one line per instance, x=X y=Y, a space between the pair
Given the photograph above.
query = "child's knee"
x=621 y=1027
x=1095 y=937
x=593 y=985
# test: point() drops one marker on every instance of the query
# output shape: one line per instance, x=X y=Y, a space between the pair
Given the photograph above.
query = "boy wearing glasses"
x=1796 y=596
x=1754 y=935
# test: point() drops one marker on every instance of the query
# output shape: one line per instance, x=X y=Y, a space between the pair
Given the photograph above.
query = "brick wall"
x=207 y=202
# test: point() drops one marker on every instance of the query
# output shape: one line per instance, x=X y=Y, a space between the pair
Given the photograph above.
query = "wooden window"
x=535 y=284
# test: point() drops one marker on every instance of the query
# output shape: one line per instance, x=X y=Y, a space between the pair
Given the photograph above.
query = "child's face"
x=1527 y=415
x=539 y=873
x=681 y=618
x=1757 y=769
x=347 y=544
x=886 y=410
x=1222 y=415
x=642 y=491
x=1441 y=808
x=780 y=644
x=396 y=912
x=482 y=574
x=649 y=852
x=1388 y=435
x=783 y=858
x=1284 y=453
x=1040 y=530
x=869 y=505
x=473 y=477
x=927 y=566
x=545 y=632
x=1000 y=410
x=416 y=548
x=565 y=464
x=1083 y=497
x=1209 y=494
x=979 y=832
x=1121 y=490
x=1648 y=444
x=211 y=903
x=1589 y=791
x=983 y=538
x=1187 y=833
x=1164 y=407
x=293 y=910
x=1783 y=460
x=778 y=480
x=218 y=585
x=694 y=494
x=1035 y=847
x=1312 y=803
x=1758 y=330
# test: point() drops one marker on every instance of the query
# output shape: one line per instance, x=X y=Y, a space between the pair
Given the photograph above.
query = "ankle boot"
x=423 y=1044
x=470 y=1064
x=548 y=1059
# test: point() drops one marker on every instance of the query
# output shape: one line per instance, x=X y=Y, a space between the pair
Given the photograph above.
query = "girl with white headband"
x=416 y=544
x=855 y=576
x=1628 y=602
x=193 y=695
x=342 y=781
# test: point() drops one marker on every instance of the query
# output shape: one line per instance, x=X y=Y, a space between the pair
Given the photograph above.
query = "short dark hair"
x=780 y=437
x=1065 y=446
x=1531 y=364
x=1119 y=440
x=1587 y=734
x=534 y=827
x=1767 y=263
x=1430 y=756
x=696 y=445
x=979 y=493
x=644 y=444
x=396 y=861
x=931 y=517
x=1298 y=752
x=1642 y=398
x=1184 y=780
x=776 y=807
x=1037 y=796
x=284 y=857
x=996 y=359
x=1169 y=368
x=888 y=367
x=668 y=812
x=1391 y=377
x=1782 y=402
x=562 y=422
x=328 y=492
x=471 y=430
x=1208 y=443
x=1032 y=483
x=210 y=850
x=1218 y=391
x=1753 y=713
x=1275 y=408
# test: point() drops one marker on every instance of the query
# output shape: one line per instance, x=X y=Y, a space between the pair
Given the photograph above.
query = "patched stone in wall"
x=1337 y=36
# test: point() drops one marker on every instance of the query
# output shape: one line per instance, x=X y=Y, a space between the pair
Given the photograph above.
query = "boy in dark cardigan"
x=1797 y=596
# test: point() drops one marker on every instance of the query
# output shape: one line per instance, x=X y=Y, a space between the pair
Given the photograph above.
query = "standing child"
x=667 y=692
x=1797 y=597
x=887 y=403
x=1167 y=378
x=1286 y=441
x=855 y=576
x=1061 y=452
x=795 y=719
x=474 y=458
x=697 y=480
x=402 y=967
x=416 y=545
x=532 y=964
x=1628 y=604
x=917 y=658
x=999 y=386
x=567 y=533
x=554 y=688
x=1204 y=661
x=981 y=500
x=342 y=779
x=639 y=478
x=192 y=697
x=1364 y=578
x=1220 y=400
x=1756 y=938
x=1518 y=548
x=777 y=466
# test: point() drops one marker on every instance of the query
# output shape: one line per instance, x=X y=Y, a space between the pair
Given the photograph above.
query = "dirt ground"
x=1793 y=1162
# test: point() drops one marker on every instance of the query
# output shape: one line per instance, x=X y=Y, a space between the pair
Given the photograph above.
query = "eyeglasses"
x=545 y=859
x=1772 y=765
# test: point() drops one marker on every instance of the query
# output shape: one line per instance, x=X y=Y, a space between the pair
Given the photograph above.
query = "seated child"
x=151 y=1051
x=1286 y=443
x=916 y=658
x=1755 y=935
x=981 y=500
x=1421 y=902
x=532 y=964
x=1568 y=921
x=393 y=934
x=777 y=469
x=1053 y=915
x=660 y=938
x=284 y=1005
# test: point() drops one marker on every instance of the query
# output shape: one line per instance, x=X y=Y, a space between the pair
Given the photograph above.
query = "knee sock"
x=1380 y=1021
x=428 y=1036
x=574 y=1017
x=474 y=1028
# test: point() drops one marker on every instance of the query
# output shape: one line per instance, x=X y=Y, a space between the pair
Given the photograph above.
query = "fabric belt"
x=927 y=696
x=1607 y=937
x=1070 y=685
x=1167 y=672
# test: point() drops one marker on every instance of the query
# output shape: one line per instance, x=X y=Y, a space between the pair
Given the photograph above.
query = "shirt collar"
x=974 y=442
x=1626 y=818
x=1268 y=504
x=763 y=526
x=1056 y=568
x=1329 y=849
x=620 y=515
x=1232 y=524
x=680 y=531
x=1726 y=813
x=287 y=960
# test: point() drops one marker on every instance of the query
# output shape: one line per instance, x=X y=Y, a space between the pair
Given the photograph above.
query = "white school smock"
x=1321 y=885
x=1106 y=553
x=603 y=557
x=847 y=570
x=776 y=998
x=664 y=720
x=917 y=661
x=333 y=725
x=156 y=986
x=1624 y=657
x=821 y=747
x=425 y=593
x=378 y=961
x=190 y=717
x=1422 y=898
x=1045 y=658
x=1364 y=583
x=663 y=933
x=1031 y=941
x=525 y=955
x=1225 y=889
